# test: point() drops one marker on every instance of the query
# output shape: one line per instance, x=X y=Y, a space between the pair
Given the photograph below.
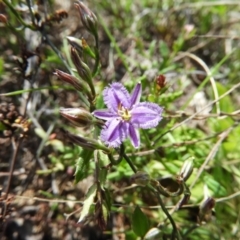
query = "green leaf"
x=140 y=224
x=18 y=92
x=105 y=213
x=103 y=162
x=226 y=104
x=102 y=177
x=152 y=234
x=83 y=164
x=81 y=169
x=2 y=126
x=215 y=186
x=1 y=65
x=88 y=202
x=41 y=133
x=164 y=50
x=107 y=198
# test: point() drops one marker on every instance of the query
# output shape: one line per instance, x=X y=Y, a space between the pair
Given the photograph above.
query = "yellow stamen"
x=124 y=113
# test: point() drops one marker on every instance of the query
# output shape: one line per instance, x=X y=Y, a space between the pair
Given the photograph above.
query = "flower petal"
x=104 y=114
x=146 y=115
x=134 y=136
x=115 y=95
x=136 y=94
x=114 y=132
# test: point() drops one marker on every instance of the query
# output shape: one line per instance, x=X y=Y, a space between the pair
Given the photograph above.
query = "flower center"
x=124 y=113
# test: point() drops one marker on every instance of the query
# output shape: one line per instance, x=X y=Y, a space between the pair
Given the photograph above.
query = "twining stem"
x=117 y=161
x=175 y=232
x=129 y=162
x=122 y=154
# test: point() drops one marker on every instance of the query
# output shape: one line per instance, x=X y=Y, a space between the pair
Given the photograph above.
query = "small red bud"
x=160 y=82
x=78 y=116
x=88 y=18
x=3 y=19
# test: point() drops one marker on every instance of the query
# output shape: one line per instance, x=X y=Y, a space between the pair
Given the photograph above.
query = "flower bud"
x=3 y=19
x=186 y=169
x=205 y=209
x=160 y=82
x=75 y=82
x=78 y=116
x=88 y=18
x=140 y=178
x=87 y=143
x=170 y=187
x=152 y=233
x=81 y=45
x=83 y=69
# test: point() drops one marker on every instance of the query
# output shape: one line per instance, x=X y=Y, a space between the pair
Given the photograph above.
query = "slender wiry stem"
x=31 y=11
x=192 y=228
x=197 y=113
x=122 y=154
x=54 y=48
x=175 y=230
x=128 y=160
x=97 y=170
x=117 y=161
x=16 y=147
x=213 y=152
x=32 y=27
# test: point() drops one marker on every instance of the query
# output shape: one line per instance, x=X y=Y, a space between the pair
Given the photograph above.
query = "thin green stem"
x=116 y=162
x=97 y=170
x=57 y=52
x=32 y=27
x=175 y=232
x=16 y=147
x=128 y=160
x=115 y=45
x=31 y=12
x=147 y=141
x=191 y=229
x=205 y=81
x=113 y=161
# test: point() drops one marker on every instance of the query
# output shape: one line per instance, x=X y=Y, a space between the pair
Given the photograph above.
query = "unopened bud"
x=3 y=19
x=75 y=82
x=87 y=143
x=205 y=209
x=81 y=45
x=83 y=69
x=160 y=82
x=170 y=187
x=140 y=178
x=78 y=116
x=186 y=169
x=152 y=234
x=88 y=18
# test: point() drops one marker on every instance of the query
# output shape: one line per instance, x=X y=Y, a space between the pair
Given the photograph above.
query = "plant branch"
x=195 y=114
x=213 y=152
x=175 y=230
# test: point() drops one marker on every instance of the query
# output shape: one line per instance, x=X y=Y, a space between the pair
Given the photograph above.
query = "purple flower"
x=125 y=114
